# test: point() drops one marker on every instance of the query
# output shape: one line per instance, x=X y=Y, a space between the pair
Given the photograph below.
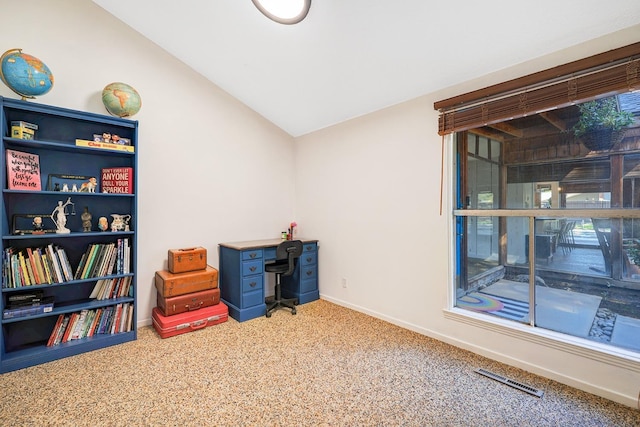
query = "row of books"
x=50 y=264
x=112 y=288
x=103 y=259
x=27 y=304
x=35 y=266
x=87 y=323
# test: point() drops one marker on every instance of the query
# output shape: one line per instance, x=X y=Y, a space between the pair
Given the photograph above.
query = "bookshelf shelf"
x=27 y=275
x=38 y=353
x=72 y=308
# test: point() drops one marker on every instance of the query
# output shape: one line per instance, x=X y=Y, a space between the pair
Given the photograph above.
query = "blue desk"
x=242 y=277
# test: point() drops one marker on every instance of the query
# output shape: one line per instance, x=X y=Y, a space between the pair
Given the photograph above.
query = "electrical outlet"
x=344 y=282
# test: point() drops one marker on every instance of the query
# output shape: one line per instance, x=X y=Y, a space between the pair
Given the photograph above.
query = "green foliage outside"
x=601 y=114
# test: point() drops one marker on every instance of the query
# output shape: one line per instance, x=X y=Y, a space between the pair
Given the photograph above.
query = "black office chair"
x=286 y=254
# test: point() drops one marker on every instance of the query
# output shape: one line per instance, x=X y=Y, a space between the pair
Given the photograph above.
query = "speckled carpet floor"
x=326 y=366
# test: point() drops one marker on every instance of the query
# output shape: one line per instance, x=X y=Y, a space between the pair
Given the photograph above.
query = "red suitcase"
x=170 y=306
x=169 y=326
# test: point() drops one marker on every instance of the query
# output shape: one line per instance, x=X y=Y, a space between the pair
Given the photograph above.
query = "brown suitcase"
x=169 y=284
x=188 y=302
x=189 y=259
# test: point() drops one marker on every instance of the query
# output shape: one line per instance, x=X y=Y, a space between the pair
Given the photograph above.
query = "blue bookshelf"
x=23 y=340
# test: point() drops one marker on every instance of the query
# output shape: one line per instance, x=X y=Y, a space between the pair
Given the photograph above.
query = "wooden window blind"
x=609 y=73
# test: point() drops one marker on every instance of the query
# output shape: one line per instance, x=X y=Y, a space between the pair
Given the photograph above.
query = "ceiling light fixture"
x=284 y=11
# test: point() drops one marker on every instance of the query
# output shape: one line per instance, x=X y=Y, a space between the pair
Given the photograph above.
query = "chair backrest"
x=289 y=250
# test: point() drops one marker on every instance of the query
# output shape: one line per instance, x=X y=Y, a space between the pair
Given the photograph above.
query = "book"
x=76 y=333
x=31 y=302
x=53 y=259
x=26 y=296
x=117 y=180
x=40 y=267
x=64 y=263
x=46 y=264
x=105 y=145
x=91 y=253
x=34 y=269
x=97 y=260
x=55 y=330
x=115 y=325
x=24 y=274
x=95 y=322
x=26 y=311
x=110 y=261
x=87 y=324
x=81 y=264
x=96 y=289
x=73 y=319
x=62 y=330
x=23 y=171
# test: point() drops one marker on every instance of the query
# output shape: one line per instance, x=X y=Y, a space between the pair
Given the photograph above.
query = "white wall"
x=207 y=163
x=369 y=189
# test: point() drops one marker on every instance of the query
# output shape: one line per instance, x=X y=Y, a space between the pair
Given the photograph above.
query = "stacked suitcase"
x=188 y=294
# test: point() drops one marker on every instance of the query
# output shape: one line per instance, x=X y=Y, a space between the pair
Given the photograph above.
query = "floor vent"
x=511 y=383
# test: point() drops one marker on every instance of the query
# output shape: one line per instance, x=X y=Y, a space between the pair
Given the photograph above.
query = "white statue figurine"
x=59 y=216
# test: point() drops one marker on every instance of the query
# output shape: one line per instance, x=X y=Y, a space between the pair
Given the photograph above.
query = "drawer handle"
x=309 y=248
x=252 y=255
x=253 y=284
x=309 y=273
x=309 y=259
x=252 y=269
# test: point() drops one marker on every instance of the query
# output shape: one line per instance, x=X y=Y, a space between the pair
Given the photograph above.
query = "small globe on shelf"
x=25 y=74
x=121 y=100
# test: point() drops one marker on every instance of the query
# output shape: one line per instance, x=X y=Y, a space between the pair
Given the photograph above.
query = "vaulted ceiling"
x=352 y=57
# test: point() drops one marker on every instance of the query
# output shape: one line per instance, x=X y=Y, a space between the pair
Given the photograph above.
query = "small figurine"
x=74 y=188
x=86 y=219
x=102 y=223
x=120 y=222
x=65 y=187
x=59 y=216
x=37 y=225
x=89 y=186
x=56 y=187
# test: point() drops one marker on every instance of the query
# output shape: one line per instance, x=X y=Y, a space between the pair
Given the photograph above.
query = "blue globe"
x=24 y=74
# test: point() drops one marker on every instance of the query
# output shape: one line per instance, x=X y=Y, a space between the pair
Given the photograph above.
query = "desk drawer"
x=269 y=253
x=308 y=272
x=310 y=247
x=253 y=283
x=308 y=258
x=308 y=285
x=249 y=299
x=252 y=254
x=251 y=267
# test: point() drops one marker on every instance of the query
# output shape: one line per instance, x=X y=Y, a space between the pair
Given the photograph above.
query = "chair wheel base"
x=273 y=305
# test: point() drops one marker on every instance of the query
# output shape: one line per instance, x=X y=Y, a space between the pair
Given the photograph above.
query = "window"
x=546 y=219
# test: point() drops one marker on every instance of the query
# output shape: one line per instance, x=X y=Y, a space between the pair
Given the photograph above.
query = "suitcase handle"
x=190 y=308
x=188 y=249
x=199 y=324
